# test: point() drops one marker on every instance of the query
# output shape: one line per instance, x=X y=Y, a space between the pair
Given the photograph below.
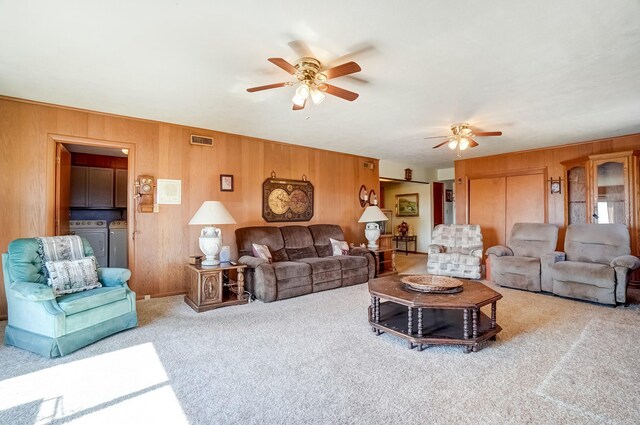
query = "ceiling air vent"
x=201 y=140
x=368 y=165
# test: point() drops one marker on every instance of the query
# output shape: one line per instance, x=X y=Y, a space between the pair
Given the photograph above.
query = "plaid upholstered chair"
x=456 y=251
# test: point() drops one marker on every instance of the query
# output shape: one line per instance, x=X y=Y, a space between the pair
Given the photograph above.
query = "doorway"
x=92 y=184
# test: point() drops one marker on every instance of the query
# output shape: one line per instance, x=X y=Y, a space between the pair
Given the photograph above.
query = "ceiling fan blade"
x=442 y=144
x=299 y=108
x=279 y=62
x=340 y=70
x=267 y=87
x=487 y=133
x=472 y=143
x=301 y=48
x=341 y=93
x=436 y=137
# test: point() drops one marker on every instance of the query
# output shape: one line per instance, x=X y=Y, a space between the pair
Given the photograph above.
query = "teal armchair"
x=52 y=326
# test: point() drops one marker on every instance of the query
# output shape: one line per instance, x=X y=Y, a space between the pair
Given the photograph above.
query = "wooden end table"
x=385 y=261
x=407 y=239
x=440 y=319
x=211 y=286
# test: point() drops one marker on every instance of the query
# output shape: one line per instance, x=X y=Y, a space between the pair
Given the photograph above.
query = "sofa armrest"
x=435 y=249
x=500 y=251
x=365 y=252
x=113 y=276
x=546 y=269
x=252 y=262
x=32 y=291
x=629 y=261
x=358 y=251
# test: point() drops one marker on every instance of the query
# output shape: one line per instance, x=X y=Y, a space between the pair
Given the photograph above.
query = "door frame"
x=50 y=204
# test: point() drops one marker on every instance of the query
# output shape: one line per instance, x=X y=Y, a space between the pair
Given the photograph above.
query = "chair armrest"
x=546 y=268
x=32 y=291
x=629 y=261
x=358 y=251
x=553 y=257
x=500 y=251
x=435 y=249
x=252 y=262
x=113 y=276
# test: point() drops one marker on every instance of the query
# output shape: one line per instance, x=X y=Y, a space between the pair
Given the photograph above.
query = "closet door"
x=487 y=207
x=525 y=200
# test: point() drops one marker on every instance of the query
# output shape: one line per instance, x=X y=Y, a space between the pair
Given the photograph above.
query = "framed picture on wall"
x=226 y=182
x=407 y=205
x=448 y=195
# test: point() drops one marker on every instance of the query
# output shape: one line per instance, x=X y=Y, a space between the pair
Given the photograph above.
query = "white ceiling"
x=94 y=150
x=544 y=72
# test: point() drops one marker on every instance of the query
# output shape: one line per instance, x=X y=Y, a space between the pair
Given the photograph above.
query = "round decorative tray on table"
x=432 y=284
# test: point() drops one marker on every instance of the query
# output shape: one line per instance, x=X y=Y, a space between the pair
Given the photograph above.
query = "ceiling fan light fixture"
x=302 y=91
x=464 y=143
x=298 y=100
x=453 y=144
x=317 y=96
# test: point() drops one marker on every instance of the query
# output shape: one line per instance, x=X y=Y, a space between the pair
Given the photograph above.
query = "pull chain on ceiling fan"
x=311 y=80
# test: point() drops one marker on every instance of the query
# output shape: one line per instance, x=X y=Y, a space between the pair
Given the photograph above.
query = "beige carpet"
x=314 y=360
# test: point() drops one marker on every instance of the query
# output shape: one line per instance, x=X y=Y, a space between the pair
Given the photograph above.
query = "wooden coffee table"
x=425 y=319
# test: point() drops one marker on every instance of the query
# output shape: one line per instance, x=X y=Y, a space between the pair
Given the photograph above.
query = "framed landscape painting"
x=407 y=205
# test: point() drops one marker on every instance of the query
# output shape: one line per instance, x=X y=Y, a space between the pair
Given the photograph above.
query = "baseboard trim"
x=162 y=294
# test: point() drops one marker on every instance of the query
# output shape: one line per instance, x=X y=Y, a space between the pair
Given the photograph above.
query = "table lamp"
x=371 y=215
x=210 y=213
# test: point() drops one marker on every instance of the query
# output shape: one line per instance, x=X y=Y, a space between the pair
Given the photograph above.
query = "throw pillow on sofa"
x=69 y=276
x=261 y=251
x=339 y=247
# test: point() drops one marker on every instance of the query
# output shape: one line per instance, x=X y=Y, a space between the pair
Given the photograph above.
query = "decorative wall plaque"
x=287 y=200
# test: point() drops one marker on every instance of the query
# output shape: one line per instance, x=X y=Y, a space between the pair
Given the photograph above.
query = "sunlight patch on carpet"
x=599 y=375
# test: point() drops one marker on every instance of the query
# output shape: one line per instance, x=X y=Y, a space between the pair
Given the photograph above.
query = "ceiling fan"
x=463 y=137
x=311 y=79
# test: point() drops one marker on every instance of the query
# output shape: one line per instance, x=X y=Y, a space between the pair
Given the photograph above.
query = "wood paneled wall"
x=548 y=160
x=164 y=240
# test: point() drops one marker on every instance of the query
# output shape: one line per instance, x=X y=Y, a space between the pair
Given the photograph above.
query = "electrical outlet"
x=147 y=297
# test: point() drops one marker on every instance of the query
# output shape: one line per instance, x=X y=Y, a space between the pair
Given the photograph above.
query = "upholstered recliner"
x=456 y=251
x=50 y=325
x=598 y=263
x=527 y=260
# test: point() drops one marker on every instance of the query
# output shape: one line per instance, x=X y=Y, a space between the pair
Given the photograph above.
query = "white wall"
x=422 y=225
x=449 y=207
x=446 y=174
x=395 y=170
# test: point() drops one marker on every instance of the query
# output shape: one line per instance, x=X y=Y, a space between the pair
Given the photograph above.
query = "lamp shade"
x=212 y=212
x=372 y=213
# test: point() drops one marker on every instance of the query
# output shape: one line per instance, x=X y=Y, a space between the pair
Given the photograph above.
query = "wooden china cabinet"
x=604 y=188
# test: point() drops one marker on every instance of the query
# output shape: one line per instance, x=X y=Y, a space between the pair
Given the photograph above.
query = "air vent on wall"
x=368 y=165
x=201 y=140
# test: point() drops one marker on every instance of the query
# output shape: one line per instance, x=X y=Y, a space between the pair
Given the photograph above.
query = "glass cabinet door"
x=610 y=192
x=577 y=195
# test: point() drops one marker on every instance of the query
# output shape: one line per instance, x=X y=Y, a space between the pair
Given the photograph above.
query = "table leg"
x=410 y=322
x=393 y=260
x=240 y=284
x=493 y=315
x=465 y=329
x=474 y=313
x=377 y=310
x=373 y=308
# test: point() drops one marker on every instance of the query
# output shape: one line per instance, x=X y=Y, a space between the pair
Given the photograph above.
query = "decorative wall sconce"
x=556 y=185
x=369 y=198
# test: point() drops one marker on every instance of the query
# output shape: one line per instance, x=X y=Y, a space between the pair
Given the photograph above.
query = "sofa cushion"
x=298 y=242
x=454 y=258
x=321 y=234
x=595 y=274
x=596 y=243
x=290 y=269
x=525 y=266
x=67 y=277
x=533 y=239
x=348 y=262
x=81 y=301
x=462 y=238
x=261 y=235
x=321 y=265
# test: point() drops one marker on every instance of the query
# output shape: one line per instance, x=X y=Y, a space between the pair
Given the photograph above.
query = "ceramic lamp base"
x=372 y=233
x=210 y=247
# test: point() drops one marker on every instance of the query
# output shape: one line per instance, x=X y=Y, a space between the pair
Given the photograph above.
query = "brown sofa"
x=302 y=261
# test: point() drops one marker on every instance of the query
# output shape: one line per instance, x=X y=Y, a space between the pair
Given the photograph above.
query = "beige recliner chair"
x=598 y=263
x=527 y=260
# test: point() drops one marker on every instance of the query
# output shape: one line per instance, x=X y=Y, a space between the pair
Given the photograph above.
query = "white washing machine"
x=118 y=255
x=96 y=232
